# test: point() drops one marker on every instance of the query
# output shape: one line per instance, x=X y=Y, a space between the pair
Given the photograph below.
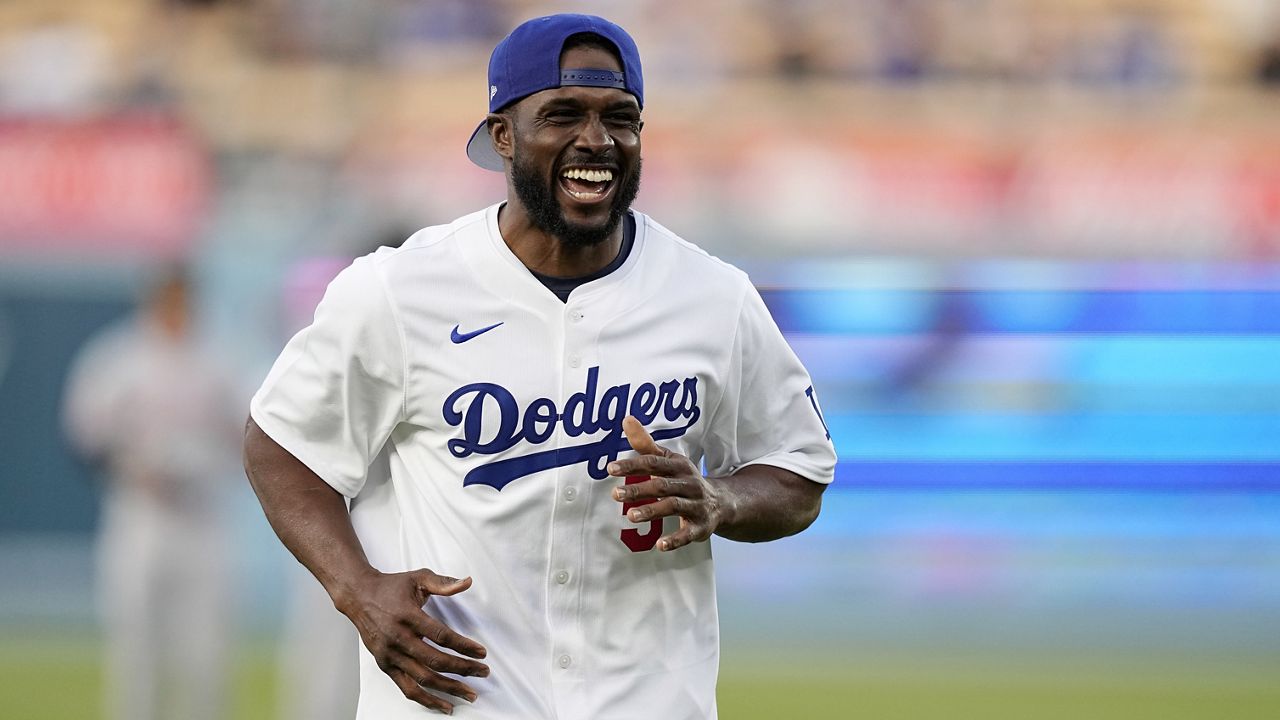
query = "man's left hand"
x=675 y=487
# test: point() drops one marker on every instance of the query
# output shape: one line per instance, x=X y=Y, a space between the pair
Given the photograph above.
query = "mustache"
x=609 y=157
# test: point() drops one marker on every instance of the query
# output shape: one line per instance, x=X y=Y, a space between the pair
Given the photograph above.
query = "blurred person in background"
x=1267 y=65
x=155 y=414
x=907 y=31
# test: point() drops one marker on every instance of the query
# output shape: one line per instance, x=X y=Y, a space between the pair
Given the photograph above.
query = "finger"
x=660 y=509
x=689 y=532
x=430 y=656
x=434 y=584
x=650 y=465
x=658 y=487
x=432 y=630
x=429 y=677
x=640 y=439
x=413 y=691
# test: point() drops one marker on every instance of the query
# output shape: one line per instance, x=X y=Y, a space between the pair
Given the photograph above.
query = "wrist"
x=346 y=591
x=726 y=503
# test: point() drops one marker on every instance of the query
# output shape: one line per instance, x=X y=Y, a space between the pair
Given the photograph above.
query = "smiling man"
x=527 y=399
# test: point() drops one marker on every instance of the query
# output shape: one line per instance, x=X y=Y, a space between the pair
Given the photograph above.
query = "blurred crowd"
x=81 y=55
x=999 y=125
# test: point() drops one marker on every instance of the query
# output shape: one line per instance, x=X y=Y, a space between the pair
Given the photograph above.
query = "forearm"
x=387 y=610
x=763 y=502
x=307 y=514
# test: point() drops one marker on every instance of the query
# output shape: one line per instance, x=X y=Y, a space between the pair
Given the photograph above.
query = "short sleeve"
x=768 y=413
x=337 y=390
x=94 y=393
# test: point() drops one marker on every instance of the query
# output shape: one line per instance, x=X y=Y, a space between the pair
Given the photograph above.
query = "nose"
x=594 y=137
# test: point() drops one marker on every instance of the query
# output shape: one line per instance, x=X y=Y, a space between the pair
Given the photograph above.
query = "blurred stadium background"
x=1030 y=251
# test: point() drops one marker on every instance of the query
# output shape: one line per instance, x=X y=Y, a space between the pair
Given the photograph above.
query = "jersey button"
x=574 y=361
x=570 y=494
x=564 y=661
x=576 y=316
x=562 y=577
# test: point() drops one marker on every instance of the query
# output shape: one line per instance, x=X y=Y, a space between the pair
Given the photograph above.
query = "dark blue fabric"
x=528 y=60
x=562 y=287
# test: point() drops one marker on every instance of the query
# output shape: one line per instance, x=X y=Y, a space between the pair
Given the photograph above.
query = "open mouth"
x=587 y=185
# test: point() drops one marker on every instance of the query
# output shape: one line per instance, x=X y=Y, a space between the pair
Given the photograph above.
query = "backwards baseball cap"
x=528 y=61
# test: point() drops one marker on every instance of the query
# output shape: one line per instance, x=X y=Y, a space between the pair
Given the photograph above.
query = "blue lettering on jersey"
x=585 y=413
x=813 y=400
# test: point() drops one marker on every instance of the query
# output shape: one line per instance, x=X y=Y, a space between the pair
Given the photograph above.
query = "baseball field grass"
x=59 y=678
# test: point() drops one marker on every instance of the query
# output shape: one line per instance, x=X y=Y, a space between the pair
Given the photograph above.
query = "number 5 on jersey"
x=632 y=537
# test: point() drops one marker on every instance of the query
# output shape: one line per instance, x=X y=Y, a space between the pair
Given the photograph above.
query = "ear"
x=502 y=133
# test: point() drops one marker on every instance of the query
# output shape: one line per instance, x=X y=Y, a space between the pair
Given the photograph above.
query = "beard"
x=539 y=199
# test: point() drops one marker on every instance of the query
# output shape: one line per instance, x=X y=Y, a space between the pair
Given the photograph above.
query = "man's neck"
x=544 y=253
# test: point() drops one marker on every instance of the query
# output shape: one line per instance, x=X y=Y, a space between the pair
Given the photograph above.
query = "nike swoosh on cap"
x=459 y=338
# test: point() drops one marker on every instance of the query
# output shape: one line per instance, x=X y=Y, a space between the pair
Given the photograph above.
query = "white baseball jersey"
x=500 y=406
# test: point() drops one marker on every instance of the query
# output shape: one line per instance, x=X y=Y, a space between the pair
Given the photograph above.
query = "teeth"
x=588 y=175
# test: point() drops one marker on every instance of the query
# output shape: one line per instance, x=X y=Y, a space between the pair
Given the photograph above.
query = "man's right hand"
x=312 y=520
x=407 y=643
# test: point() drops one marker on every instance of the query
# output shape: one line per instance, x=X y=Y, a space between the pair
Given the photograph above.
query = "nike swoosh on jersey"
x=459 y=338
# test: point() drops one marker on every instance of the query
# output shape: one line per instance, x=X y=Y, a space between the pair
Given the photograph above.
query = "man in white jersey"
x=545 y=378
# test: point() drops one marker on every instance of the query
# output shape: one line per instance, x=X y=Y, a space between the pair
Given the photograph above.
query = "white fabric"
x=578 y=625
x=160 y=416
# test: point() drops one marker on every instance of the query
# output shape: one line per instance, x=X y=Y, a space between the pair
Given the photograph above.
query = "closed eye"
x=624 y=119
x=562 y=116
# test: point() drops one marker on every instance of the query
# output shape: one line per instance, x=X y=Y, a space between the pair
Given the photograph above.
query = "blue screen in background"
x=1100 y=442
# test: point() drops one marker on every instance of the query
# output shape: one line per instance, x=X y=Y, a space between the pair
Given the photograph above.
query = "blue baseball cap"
x=528 y=61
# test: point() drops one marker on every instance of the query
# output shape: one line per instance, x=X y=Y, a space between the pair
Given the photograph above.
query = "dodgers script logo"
x=585 y=413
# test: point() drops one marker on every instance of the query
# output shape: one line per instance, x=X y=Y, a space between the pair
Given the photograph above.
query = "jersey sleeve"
x=337 y=390
x=94 y=395
x=768 y=413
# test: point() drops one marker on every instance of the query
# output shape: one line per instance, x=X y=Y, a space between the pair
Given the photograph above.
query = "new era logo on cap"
x=528 y=61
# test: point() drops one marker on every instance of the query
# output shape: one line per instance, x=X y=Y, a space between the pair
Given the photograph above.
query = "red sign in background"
x=135 y=185
x=140 y=186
